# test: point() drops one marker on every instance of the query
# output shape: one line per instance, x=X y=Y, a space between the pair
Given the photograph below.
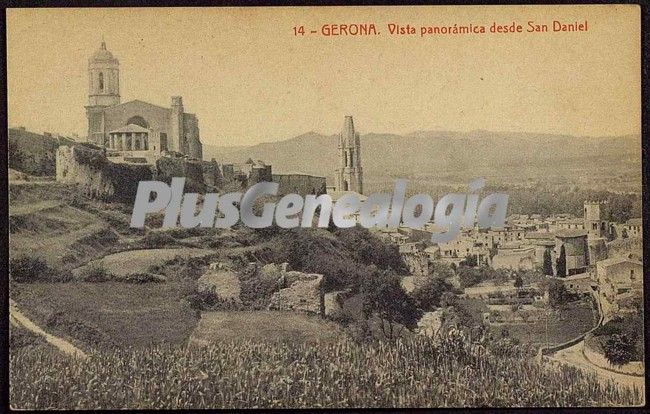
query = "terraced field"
x=137 y=261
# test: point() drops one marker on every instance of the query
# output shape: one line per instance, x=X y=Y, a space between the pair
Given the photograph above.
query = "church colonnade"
x=128 y=141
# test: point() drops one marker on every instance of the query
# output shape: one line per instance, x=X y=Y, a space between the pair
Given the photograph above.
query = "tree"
x=620 y=349
x=384 y=298
x=469 y=276
x=561 y=263
x=548 y=264
x=14 y=155
x=557 y=294
x=471 y=261
x=441 y=270
x=429 y=295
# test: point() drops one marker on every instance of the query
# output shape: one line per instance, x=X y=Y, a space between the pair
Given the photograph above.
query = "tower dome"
x=103 y=55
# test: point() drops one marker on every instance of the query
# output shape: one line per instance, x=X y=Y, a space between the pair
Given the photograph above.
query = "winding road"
x=573 y=356
x=16 y=318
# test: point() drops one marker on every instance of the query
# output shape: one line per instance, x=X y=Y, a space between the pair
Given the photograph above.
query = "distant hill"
x=32 y=153
x=431 y=152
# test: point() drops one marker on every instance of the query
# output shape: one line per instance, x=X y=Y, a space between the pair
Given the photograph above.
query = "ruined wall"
x=259 y=174
x=212 y=174
x=87 y=166
x=300 y=184
x=333 y=301
x=301 y=292
x=98 y=177
x=168 y=167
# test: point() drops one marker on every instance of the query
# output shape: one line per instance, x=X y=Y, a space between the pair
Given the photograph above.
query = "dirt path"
x=18 y=319
x=573 y=356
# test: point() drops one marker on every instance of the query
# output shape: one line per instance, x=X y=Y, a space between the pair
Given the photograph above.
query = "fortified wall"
x=87 y=166
x=302 y=184
x=168 y=167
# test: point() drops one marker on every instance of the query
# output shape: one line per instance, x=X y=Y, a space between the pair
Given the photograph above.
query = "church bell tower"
x=103 y=91
x=349 y=175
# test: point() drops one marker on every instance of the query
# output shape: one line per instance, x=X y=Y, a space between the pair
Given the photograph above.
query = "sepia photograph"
x=325 y=207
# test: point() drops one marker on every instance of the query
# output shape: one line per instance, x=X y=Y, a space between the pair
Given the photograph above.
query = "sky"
x=249 y=79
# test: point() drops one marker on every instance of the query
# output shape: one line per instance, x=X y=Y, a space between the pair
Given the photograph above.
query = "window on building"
x=101 y=81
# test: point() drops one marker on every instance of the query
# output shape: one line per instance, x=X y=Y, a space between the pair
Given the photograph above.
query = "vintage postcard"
x=325 y=207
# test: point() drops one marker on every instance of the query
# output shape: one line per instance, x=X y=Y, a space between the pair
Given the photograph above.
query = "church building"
x=135 y=131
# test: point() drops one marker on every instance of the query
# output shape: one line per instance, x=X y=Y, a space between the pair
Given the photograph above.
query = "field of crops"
x=409 y=373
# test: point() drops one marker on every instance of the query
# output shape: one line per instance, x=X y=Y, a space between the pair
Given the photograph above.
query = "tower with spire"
x=103 y=90
x=349 y=175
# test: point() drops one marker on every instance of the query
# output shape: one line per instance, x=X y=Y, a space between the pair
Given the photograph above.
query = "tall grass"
x=414 y=372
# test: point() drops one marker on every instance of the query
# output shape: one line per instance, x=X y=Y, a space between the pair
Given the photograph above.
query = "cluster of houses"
x=567 y=248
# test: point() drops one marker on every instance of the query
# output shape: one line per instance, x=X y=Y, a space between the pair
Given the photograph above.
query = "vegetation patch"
x=412 y=372
x=620 y=340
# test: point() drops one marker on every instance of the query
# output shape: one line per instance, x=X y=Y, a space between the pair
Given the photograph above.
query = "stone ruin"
x=297 y=291
x=222 y=281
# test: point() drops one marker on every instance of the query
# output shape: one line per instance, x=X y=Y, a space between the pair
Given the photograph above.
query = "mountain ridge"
x=431 y=151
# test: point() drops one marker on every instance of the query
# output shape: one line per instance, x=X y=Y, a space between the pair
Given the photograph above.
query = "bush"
x=369 y=249
x=143 y=277
x=429 y=294
x=27 y=269
x=95 y=272
x=156 y=239
x=182 y=267
x=620 y=349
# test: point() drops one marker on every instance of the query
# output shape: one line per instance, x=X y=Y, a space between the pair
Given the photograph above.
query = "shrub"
x=95 y=272
x=182 y=267
x=143 y=277
x=27 y=269
x=369 y=249
x=156 y=239
x=620 y=349
x=429 y=294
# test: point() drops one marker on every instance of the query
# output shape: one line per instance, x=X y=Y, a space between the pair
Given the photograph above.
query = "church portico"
x=129 y=138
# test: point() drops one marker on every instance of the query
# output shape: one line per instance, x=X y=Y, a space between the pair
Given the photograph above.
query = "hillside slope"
x=32 y=153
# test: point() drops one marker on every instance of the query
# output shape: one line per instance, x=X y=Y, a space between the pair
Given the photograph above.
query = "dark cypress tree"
x=548 y=265
x=561 y=263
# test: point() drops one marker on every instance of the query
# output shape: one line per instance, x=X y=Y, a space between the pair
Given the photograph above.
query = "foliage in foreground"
x=412 y=372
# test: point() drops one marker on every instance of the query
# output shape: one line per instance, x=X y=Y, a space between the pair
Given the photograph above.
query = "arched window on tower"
x=101 y=81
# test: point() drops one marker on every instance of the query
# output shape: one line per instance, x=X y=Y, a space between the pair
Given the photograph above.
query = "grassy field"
x=108 y=314
x=407 y=373
x=263 y=326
